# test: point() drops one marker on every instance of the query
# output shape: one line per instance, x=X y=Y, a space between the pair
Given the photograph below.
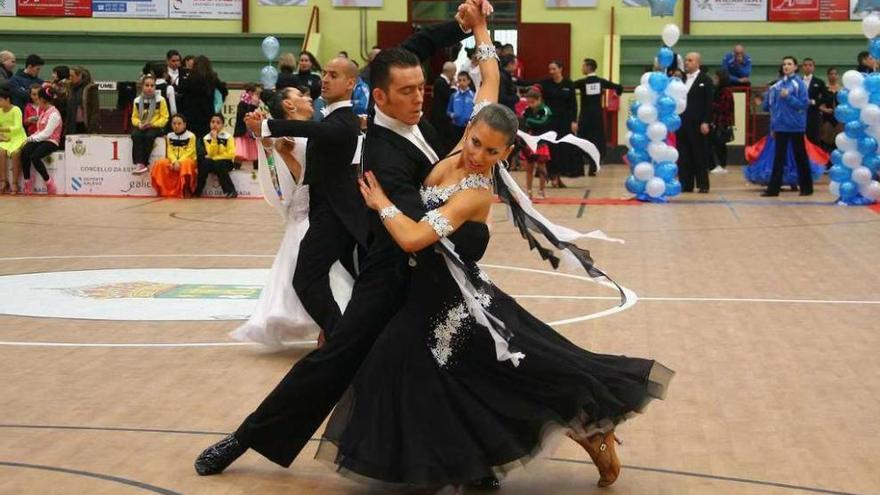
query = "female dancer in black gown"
x=464 y=383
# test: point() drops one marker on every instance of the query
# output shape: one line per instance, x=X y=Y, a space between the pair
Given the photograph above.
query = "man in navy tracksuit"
x=787 y=101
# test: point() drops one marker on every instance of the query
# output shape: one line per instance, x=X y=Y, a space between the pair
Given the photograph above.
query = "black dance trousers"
x=221 y=169
x=33 y=153
x=283 y=424
x=142 y=144
x=796 y=140
x=693 y=158
x=326 y=242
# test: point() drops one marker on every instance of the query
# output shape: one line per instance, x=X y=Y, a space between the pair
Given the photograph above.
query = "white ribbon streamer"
x=286 y=184
x=483 y=317
x=550 y=136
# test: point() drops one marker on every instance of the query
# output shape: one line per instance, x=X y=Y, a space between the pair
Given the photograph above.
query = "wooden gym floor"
x=767 y=308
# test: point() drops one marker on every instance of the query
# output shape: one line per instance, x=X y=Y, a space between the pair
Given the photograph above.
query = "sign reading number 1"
x=115 y=151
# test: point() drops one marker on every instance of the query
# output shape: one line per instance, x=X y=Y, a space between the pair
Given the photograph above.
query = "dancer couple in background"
x=440 y=377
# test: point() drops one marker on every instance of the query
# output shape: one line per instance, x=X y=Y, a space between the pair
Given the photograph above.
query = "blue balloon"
x=839 y=173
x=634 y=107
x=639 y=141
x=637 y=156
x=872 y=162
x=867 y=145
x=846 y=113
x=270 y=47
x=854 y=129
x=658 y=81
x=269 y=76
x=665 y=56
x=848 y=190
x=874 y=47
x=843 y=96
x=665 y=105
x=872 y=82
x=634 y=185
x=666 y=171
x=837 y=157
x=635 y=125
x=673 y=188
x=671 y=121
x=874 y=98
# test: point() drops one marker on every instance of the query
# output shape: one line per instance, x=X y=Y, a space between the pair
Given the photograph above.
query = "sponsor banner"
x=809 y=10
x=101 y=165
x=54 y=8
x=245 y=182
x=729 y=10
x=7 y=8
x=285 y=3
x=205 y=9
x=570 y=3
x=130 y=8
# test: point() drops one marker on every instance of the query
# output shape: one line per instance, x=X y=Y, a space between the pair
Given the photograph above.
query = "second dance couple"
x=440 y=377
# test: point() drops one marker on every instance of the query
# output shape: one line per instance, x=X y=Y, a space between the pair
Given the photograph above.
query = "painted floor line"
x=99 y=256
x=702 y=299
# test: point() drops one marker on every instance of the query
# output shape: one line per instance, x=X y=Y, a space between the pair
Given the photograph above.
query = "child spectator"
x=148 y=119
x=536 y=122
x=219 y=153
x=42 y=143
x=245 y=142
x=175 y=175
x=461 y=105
x=12 y=137
x=32 y=110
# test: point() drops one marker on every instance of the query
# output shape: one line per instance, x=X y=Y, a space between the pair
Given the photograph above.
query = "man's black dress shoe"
x=704 y=191
x=768 y=194
x=219 y=456
x=805 y=193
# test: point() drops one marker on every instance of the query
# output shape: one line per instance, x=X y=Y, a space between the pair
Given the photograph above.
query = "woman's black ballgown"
x=432 y=405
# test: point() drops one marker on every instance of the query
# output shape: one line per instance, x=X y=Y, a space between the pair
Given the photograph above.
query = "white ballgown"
x=280 y=317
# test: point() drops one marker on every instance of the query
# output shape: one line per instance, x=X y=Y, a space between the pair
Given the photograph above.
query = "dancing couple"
x=440 y=377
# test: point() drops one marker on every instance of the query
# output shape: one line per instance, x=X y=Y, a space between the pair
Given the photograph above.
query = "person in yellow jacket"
x=219 y=157
x=175 y=175
x=148 y=119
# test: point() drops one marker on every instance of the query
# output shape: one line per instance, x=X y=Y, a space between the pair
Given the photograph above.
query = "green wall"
x=766 y=53
x=121 y=56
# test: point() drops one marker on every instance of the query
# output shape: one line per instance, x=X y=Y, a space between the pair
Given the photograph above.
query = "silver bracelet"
x=441 y=225
x=388 y=212
x=485 y=51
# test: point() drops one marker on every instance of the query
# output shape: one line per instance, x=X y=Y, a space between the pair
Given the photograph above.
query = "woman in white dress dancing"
x=280 y=316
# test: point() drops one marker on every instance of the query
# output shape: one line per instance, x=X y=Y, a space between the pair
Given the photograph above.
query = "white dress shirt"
x=690 y=78
x=411 y=133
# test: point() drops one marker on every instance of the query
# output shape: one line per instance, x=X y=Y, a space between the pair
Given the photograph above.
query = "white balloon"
x=845 y=143
x=853 y=79
x=669 y=154
x=861 y=176
x=871 y=190
x=644 y=80
x=852 y=159
x=655 y=187
x=647 y=113
x=656 y=150
x=680 y=105
x=870 y=114
x=644 y=171
x=871 y=26
x=834 y=188
x=873 y=130
x=670 y=35
x=645 y=94
x=858 y=97
x=676 y=89
x=657 y=131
